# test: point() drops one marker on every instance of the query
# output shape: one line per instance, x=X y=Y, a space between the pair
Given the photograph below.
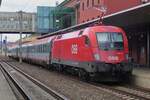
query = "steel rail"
x=19 y=88
x=121 y=93
x=135 y=90
x=40 y=84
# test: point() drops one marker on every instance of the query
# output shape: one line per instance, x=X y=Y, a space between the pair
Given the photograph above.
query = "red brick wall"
x=112 y=7
x=71 y=3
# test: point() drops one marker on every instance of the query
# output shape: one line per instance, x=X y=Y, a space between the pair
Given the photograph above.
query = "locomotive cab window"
x=110 y=41
x=87 y=41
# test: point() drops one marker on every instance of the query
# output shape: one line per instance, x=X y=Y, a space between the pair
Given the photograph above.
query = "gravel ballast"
x=73 y=89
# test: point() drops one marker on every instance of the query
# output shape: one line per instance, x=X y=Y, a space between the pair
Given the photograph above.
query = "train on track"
x=98 y=52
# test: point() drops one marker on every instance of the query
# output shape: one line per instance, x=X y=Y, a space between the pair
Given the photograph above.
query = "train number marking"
x=74 y=49
x=113 y=58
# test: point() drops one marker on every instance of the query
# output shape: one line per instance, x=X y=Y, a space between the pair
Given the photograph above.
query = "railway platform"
x=141 y=77
x=6 y=92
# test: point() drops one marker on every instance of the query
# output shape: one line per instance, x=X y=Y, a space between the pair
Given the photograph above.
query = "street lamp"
x=1 y=43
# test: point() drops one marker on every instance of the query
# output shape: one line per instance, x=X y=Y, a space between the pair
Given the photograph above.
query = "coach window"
x=42 y=48
x=32 y=49
x=45 y=46
x=48 y=47
x=38 y=49
x=35 y=49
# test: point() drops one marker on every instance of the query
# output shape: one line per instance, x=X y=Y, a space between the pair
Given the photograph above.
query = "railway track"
x=18 y=92
x=123 y=92
x=136 y=91
x=14 y=74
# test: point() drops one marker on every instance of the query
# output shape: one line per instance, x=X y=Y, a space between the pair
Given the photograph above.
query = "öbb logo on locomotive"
x=74 y=49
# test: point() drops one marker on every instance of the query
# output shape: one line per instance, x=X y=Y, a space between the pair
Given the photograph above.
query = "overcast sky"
x=25 y=5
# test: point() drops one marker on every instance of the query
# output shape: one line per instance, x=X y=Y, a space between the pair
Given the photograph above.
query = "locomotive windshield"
x=110 y=41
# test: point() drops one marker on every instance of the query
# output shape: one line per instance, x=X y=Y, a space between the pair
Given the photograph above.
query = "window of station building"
x=92 y=2
x=82 y=6
x=87 y=3
x=12 y=26
x=100 y=1
x=3 y=26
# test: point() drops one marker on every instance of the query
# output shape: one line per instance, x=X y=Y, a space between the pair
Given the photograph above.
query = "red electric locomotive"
x=98 y=51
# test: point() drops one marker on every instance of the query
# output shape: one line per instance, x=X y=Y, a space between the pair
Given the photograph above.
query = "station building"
x=10 y=22
x=132 y=15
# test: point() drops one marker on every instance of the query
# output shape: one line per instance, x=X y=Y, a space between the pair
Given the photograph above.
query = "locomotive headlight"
x=127 y=56
x=96 y=56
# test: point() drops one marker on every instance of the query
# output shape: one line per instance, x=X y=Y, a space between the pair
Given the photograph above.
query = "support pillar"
x=5 y=46
x=148 y=49
x=1 y=43
x=20 y=40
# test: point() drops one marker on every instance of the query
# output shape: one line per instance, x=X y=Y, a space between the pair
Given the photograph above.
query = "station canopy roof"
x=133 y=16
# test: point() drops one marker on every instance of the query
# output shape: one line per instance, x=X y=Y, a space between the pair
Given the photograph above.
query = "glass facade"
x=45 y=19
x=50 y=19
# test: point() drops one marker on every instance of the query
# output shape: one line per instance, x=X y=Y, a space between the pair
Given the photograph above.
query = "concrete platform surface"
x=5 y=90
x=141 y=77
